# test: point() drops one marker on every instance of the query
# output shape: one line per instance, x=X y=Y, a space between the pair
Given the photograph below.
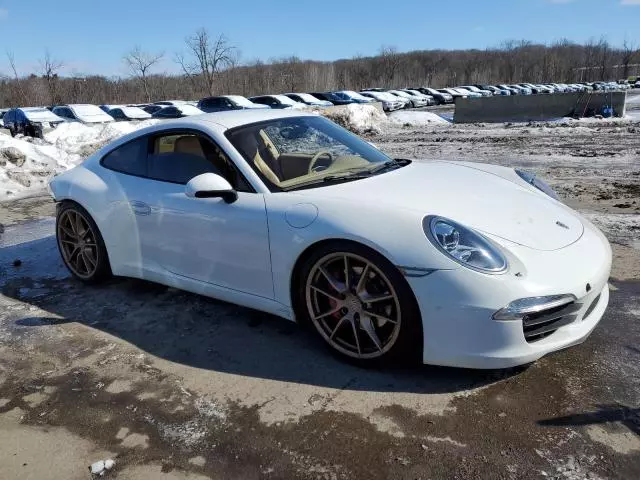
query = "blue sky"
x=91 y=36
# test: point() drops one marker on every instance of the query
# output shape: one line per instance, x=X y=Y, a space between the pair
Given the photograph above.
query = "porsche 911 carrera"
x=452 y=263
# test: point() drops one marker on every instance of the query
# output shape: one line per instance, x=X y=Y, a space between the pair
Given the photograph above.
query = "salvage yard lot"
x=177 y=386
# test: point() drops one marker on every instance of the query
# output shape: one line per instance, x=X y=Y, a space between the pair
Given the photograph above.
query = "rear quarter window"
x=130 y=158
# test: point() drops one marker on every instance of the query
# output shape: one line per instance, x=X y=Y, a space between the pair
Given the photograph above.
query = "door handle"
x=140 y=208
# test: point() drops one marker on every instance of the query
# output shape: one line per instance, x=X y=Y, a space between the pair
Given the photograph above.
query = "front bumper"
x=457 y=305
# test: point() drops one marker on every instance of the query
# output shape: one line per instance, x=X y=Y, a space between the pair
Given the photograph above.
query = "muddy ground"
x=175 y=386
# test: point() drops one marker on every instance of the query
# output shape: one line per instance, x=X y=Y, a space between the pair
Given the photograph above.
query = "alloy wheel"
x=77 y=242
x=353 y=305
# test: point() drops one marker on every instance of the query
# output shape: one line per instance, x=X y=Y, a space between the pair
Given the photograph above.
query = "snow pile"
x=28 y=163
x=416 y=119
x=84 y=139
x=358 y=118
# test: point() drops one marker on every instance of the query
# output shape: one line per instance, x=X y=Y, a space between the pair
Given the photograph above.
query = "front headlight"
x=541 y=185
x=464 y=246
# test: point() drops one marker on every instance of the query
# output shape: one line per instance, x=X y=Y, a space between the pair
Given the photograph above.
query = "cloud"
x=4 y=13
x=630 y=2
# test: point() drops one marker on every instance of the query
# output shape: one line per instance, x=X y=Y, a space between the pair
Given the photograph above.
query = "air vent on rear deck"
x=539 y=325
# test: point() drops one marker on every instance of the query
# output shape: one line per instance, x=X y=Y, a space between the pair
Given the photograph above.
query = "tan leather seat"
x=188 y=144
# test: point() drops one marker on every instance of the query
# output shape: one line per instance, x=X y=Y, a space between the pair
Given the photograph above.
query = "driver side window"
x=178 y=157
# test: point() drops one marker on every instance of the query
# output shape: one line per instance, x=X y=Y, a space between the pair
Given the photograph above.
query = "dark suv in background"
x=31 y=121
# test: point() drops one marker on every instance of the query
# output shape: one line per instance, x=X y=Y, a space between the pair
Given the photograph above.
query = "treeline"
x=209 y=65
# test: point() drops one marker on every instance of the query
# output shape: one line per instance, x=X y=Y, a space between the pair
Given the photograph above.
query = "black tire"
x=408 y=345
x=102 y=270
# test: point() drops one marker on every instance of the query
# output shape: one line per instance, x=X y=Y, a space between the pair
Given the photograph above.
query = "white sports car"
x=460 y=264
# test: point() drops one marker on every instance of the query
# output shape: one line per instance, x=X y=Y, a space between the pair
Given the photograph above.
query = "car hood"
x=482 y=200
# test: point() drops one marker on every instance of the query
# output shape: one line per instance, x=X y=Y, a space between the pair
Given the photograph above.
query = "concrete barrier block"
x=524 y=108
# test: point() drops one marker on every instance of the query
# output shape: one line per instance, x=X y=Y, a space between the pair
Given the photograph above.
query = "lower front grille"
x=539 y=325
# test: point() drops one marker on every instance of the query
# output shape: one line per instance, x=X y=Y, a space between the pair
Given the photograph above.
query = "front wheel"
x=361 y=305
x=81 y=245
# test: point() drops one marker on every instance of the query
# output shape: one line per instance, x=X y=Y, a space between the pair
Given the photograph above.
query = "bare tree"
x=139 y=63
x=49 y=69
x=629 y=51
x=206 y=57
x=21 y=97
x=390 y=61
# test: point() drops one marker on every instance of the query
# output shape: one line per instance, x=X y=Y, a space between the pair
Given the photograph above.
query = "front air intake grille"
x=539 y=325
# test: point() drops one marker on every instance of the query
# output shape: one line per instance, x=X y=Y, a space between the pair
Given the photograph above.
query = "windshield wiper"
x=390 y=165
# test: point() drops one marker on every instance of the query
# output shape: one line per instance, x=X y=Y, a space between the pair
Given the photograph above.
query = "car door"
x=203 y=239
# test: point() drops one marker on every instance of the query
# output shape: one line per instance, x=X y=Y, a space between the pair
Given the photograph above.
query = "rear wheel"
x=360 y=304
x=81 y=245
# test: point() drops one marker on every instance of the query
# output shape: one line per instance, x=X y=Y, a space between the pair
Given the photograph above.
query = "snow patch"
x=358 y=118
x=416 y=119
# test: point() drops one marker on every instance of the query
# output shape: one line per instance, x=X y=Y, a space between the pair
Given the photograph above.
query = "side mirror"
x=210 y=185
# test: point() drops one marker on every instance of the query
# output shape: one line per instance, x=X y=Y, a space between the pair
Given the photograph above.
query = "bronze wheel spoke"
x=363 y=279
x=330 y=312
x=67 y=232
x=381 y=317
x=355 y=336
x=326 y=294
x=87 y=256
x=335 y=284
x=338 y=325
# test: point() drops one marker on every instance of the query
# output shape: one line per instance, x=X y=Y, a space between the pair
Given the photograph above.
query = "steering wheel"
x=318 y=156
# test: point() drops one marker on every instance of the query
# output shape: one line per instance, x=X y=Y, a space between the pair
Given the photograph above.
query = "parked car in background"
x=511 y=90
x=308 y=99
x=454 y=93
x=468 y=93
x=413 y=100
x=522 y=90
x=82 y=112
x=177 y=111
x=333 y=98
x=439 y=97
x=223 y=103
x=276 y=101
x=128 y=113
x=472 y=88
x=494 y=90
x=171 y=103
x=106 y=108
x=30 y=121
x=429 y=98
x=154 y=108
x=389 y=102
x=355 y=97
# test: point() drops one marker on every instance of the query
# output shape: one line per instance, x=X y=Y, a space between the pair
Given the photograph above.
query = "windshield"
x=240 y=100
x=295 y=152
x=400 y=94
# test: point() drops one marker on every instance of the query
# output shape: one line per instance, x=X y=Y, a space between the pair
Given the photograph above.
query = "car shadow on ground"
x=201 y=332
x=628 y=416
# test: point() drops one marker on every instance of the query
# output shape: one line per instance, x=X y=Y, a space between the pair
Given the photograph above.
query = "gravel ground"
x=175 y=386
